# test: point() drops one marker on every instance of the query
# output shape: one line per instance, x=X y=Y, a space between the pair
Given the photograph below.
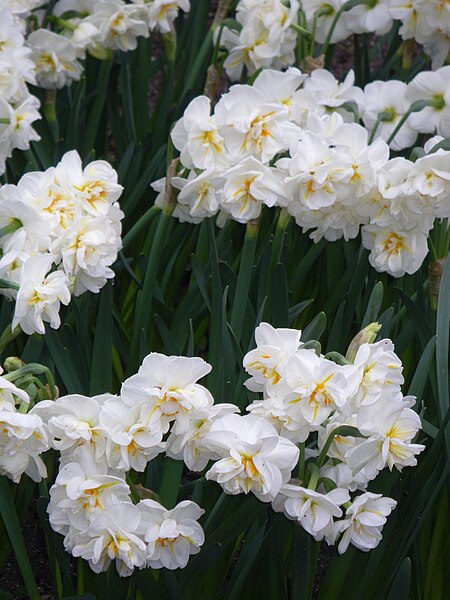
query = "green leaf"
x=442 y=345
x=374 y=305
x=101 y=364
x=12 y=526
x=402 y=582
x=314 y=330
x=170 y=482
x=422 y=373
x=61 y=356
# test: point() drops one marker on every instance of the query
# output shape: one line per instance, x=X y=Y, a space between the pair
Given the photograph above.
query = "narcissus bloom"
x=254 y=457
x=365 y=519
x=172 y=535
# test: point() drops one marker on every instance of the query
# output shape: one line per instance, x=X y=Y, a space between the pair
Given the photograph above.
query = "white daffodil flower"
x=365 y=519
x=433 y=86
x=199 y=193
x=249 y=186
x=254 y=457
x=112 y=535
x=319 y=386
x=381 y=373
x=23 y=437
x=73 y=421
x=132 y=440
x=196 y=136
x=390 y=426
x=388 y=98
x=95 y=186
x=252 y=127
x=55 y=59
x=274 y=348
x=187 y=433
x=83 y=488
x=396 y=250
x=119 y=24
x=166 y=386
x=172 y=535
x=313 y=510
x=40 y=295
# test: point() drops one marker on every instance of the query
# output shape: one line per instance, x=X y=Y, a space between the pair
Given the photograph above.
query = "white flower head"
x=364 y=521
x=166 y=386
x=274 y=348
x=172 y=535
x=254 y=457
x=40 y=295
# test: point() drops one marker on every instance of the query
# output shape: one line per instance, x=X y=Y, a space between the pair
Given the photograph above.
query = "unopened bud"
x=100 y=53
x=170 y=44
x=365 y=336
x=12 y=363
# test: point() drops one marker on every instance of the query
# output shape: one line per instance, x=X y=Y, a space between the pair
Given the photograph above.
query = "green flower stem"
x=11 y=227
x=33 y=369
x=8 y=285
x=278 y=240
x=80 y=577
x=381 y=118
x=7 y=336
x=313 y=480
x=4 y=121
x=416 y=106
x=244 y=278
x=300 y=29
x=344 y=8
x=301 y=462
x=343 y=430
x=50 y=114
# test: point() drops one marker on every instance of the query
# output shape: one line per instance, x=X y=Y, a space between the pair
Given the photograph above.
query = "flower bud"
x=12 y=363
x=365 y=336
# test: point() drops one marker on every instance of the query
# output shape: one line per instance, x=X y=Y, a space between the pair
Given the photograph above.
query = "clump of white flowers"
x=18 y=108
x=362 y=422
x=60 y=232
x=264 y=32
x=290 y=140
x=102 y=438
x=333 y=421
x=81 y=26
x=262 y=38
x=428 y=22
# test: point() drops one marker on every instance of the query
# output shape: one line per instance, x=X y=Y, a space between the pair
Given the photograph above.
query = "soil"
x=11 y=583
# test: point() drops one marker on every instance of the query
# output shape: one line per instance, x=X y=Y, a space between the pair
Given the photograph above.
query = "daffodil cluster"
x=290 y=140
x=352 y=418
x=81 y=26
x=262 y=36
x=337 y=421
x=160 y=409
x=264 y=33
x=60 y=232
x=426 y=21
x=18 y=108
